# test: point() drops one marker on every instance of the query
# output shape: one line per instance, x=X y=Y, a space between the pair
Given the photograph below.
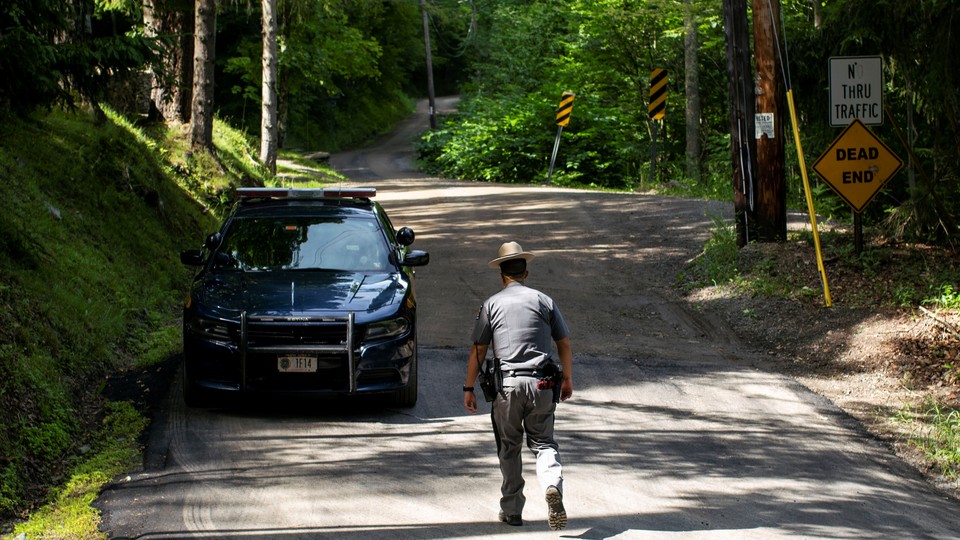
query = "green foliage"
x=28 y=54
x=936 y=431
x=475 y=149
x=947 y=297
x=90 y=279
x=11 y=487
x=49 y=55
x=527 y=53
x=343 y=69
x=69 y=514
x=718 y=262
x=603 y=51
x=46 y=441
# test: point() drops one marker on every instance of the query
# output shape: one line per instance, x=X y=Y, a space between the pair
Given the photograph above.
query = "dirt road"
x=670 y=433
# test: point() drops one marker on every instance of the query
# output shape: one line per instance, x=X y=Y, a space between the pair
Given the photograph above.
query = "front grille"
x=273 y=334
x=331 y=340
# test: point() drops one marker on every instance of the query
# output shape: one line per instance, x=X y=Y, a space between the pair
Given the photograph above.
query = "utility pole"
x=426 y=42
x=771 y=209
x=742 y=128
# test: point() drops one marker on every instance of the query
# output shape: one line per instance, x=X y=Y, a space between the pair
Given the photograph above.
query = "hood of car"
x=299 y=292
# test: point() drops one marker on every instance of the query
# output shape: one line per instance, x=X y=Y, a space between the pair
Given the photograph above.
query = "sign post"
x=563 y=118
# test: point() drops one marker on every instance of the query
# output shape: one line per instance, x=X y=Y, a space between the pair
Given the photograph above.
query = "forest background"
x=162 y=103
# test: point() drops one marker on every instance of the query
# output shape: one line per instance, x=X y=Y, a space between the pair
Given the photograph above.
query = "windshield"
x=302 y=243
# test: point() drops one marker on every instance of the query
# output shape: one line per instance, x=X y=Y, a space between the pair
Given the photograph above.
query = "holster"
x=491 y=379
x=553 y=373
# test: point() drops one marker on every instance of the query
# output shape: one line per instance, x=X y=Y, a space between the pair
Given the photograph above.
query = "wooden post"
x=771 y=194
x=742 y=127
x=857 y=232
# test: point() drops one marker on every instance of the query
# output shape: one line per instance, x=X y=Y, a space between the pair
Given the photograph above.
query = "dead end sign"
x=857 y=165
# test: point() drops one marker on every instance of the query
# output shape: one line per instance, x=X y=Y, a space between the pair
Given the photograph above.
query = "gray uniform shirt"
x=522 y=323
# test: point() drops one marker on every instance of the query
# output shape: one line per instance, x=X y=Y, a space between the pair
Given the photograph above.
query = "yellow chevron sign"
x=565 y=109
x=658 y=94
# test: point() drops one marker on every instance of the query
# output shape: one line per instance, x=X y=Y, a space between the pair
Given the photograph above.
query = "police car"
x=302 y=292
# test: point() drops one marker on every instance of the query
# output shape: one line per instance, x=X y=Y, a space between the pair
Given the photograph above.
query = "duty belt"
x=521 y=373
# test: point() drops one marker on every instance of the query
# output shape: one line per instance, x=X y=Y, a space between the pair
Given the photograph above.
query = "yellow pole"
x=810 y=209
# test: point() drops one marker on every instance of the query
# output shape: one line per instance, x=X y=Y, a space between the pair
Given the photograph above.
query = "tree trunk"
x=426 y=43
x=283 y=107
x=171 y=89
x=201 y=118
x=771 y=207
x=692 y=86
x=742 y=128
x=268 y=116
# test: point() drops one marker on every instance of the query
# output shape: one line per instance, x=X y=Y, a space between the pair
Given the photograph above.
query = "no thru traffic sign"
x=856 y=90
x=857 y=165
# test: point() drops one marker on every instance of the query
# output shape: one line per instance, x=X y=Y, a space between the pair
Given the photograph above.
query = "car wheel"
x=408 y=396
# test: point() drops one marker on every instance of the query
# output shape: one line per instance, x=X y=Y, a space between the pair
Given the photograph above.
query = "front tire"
x=407 y=397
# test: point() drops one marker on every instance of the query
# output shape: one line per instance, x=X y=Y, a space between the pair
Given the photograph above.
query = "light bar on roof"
x=344 y=193
x=306 y=193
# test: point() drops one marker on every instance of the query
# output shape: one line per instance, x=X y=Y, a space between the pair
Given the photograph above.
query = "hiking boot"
x=556 y=515
x=512 y=519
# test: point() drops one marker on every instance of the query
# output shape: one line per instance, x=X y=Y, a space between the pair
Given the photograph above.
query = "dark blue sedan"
x=302 y=292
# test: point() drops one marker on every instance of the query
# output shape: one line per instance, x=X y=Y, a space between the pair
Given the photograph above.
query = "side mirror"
x=192 y=257
x=213 y=241
x=405 y=236
x=416 y=257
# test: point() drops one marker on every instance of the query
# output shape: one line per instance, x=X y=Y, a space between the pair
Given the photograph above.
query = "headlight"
x=387 y=329
x=214 y=329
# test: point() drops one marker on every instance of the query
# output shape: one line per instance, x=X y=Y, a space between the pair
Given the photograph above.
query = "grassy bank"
x=93 y=222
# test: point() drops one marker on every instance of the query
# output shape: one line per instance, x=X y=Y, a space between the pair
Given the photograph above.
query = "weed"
x=936 y=431
x=717 y=264
x=945 y=298
x=46 y=441
x=904 y=295
x=10 y=487
x=69 y=513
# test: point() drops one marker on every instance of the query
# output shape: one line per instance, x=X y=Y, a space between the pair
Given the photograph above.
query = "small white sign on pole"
x=765 y=125
x=856 y=90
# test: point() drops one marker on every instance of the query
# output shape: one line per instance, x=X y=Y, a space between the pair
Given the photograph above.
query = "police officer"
x=521 y=322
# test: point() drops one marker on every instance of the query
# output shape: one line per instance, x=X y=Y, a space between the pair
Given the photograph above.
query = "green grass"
x=718 y=262
x=296 y=170
x=91 y=284
x=69 y=514
x=90 y=280
x=946 y=297
x=936 y=431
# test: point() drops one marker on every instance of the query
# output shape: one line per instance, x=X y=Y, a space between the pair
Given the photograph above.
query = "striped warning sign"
x=658 y=94
x=566 y=107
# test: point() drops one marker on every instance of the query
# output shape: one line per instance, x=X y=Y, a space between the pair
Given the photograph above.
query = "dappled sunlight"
x=699 y=449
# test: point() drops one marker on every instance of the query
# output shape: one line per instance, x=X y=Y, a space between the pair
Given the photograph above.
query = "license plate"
x=296 y=363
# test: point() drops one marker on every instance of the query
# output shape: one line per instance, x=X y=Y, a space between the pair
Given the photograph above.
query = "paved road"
x=670 y=434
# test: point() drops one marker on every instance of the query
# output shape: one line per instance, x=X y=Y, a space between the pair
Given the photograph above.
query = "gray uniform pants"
x=523 y=409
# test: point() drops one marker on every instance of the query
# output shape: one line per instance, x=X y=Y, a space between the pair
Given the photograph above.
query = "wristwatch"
x=468 y=389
